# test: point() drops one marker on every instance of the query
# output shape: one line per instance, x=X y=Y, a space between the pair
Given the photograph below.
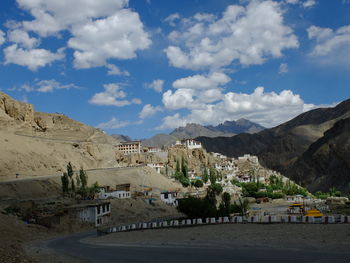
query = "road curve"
x=72 y=246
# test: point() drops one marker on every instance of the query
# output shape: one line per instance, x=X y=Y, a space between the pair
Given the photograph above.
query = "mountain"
x=121 y=137
x=278 y=148
x=36 y=143
x=193 y=130
x=239 y=126
x=327 y=161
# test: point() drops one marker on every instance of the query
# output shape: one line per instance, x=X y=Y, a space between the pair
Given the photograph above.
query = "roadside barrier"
x=342 y=219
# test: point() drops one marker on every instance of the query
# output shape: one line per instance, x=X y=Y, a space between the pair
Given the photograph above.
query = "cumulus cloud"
x=309 y=3
x=113 y=95
x=156 y=85
x=118 y=36
x=114 y=123
x=2 y=37
x=172 y=18
x=52 y=16
x=148 y=110
x=31 y=58
x=114 y=70
x=244 y=34
x=266 y=108
x=22 y=38
x=202 y=82
x=293 y=2
x=101 y=30
x=283 y=68
x=331 y=46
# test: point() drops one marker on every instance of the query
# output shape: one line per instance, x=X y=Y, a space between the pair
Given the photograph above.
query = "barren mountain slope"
x=34 y=143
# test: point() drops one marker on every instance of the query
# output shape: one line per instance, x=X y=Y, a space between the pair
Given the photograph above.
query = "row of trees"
x=275 y=189
x=79 y=185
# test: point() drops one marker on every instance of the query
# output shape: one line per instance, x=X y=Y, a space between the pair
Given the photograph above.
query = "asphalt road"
x=72 y=246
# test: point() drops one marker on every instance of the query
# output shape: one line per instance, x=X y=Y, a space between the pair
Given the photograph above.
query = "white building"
x=191 y=144
x=106 y=193
x=154 y=150
x=130 y=147
x=156 y=166
x=96 y=213
x=251 y=158
x=169 y=198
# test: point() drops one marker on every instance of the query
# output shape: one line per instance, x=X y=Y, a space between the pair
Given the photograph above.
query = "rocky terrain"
x=278 y=148
x=35 y=143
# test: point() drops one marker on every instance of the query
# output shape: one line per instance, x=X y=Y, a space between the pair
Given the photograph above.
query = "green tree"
x=73 y=186
x=178 y=168
x=205 y=176
x=198 y=183
x=243 y=206
x=83 y=178
x=184 y=167
x=212 y=175
x=65 y=183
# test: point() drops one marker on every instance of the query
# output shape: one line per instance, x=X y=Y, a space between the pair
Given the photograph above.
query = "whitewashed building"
x=156 y=166
x=96 y=213
x=120 y=194
x=169 y=198
x=191 y=144
x=251 y=158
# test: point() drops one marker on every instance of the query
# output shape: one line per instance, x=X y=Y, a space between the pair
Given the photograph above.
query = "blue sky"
x=142 y=67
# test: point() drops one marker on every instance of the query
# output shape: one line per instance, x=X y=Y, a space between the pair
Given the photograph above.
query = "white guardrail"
x=227 y=220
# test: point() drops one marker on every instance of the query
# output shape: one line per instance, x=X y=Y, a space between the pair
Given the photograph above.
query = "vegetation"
x=69 y=187
x=198 y=183
x=275 y=189
x=181 y=172
x=333 y=192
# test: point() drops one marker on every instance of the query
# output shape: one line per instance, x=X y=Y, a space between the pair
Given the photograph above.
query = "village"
x=98 y=205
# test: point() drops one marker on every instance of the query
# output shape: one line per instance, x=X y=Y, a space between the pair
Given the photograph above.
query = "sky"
x=142 y=67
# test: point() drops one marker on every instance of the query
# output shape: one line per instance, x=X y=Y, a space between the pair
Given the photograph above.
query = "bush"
x=198 y=183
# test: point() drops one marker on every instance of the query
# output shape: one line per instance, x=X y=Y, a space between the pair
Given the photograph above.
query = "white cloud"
x=2 y=37
x=22 y=38
x=52 y=16
x=156 y=85
x=118 y=36
x=202 y=82
x=309 y=3
x=47 y=86
x=100 y=30
x=283 y=68
x=332 y=46
x=266 y=108
x=113 y=95
x=181 y=98
x=248 y=35
x=114 y=123
x=172 y=18
x=293 y=2
x=31 y=58
x=114 y=70
x=148 y=110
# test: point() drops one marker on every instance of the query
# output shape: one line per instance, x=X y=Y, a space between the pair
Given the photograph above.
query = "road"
x=72 y=246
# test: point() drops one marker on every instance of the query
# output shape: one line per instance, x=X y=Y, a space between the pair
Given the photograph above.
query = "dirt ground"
x=315 y=237
x=22 y=242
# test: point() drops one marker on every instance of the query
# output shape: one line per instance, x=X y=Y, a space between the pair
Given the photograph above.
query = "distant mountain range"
x=313 y=148
x=121 y=138
x=192 y=130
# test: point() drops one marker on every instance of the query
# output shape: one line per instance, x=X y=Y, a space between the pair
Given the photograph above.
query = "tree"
x=65 y=183
x=184 y=167
x=83 y=178
x=198 y=183
x=212 y=175
x=334 y=192
x=226 y=198
x=243 y=206
x=205 y=176
x=73 y=186
x=178 y=169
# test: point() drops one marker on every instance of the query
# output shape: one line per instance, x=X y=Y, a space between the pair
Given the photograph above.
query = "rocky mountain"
x=121 y=137
x=236 y=127
x=327 y=161
x=36 y=143
x=278 y=148
x=193 y=130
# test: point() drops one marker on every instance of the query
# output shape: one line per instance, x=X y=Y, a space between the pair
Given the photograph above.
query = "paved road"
x=174 y=254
